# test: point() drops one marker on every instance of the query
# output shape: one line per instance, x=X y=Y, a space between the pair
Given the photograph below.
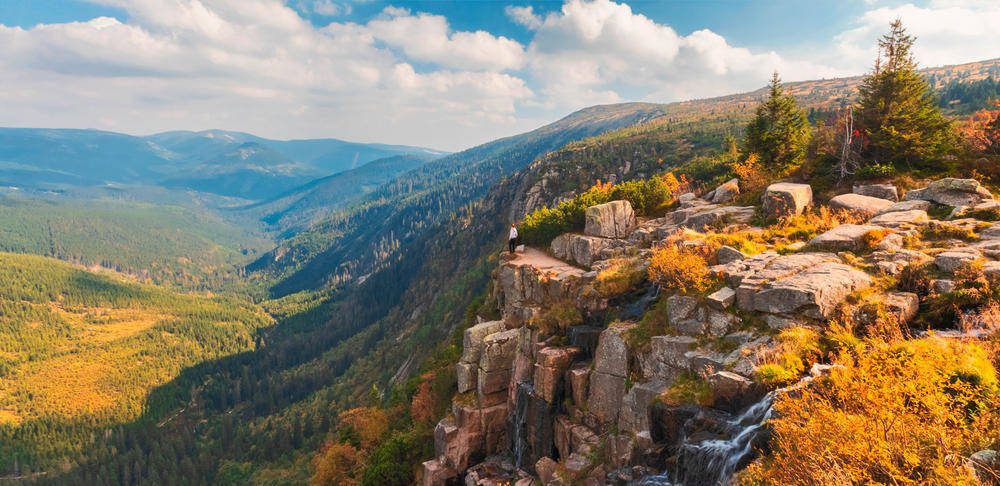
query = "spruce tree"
x=779 y=131
x=897 y=113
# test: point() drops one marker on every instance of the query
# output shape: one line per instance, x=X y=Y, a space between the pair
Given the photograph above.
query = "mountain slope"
x=347 y=246
x=64 y=158
x=81 y=351
x=297 y=209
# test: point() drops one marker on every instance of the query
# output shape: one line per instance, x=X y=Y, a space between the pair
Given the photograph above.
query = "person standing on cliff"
x=512 y=239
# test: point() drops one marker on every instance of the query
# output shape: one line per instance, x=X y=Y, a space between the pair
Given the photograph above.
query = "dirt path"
x=541 y=260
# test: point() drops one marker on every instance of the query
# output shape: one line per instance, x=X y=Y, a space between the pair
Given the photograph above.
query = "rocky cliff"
x=576 y=384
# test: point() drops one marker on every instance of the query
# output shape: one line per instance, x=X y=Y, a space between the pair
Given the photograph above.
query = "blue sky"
x=758 y=24
x=444 y=74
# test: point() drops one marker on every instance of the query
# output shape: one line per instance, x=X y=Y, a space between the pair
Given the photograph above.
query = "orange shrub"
x=897 y=413
x=678 y=270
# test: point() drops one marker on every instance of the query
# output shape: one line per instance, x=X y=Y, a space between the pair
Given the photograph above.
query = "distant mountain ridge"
x=233 y=164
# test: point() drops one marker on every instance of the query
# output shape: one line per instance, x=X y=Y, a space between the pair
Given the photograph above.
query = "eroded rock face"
x=495 y=366
x=614 y=219
x=952 y=192
x=865 y=206
x=881 y=191
x=786 y=199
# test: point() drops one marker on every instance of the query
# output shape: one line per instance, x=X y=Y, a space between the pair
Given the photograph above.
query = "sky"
x=440 y=74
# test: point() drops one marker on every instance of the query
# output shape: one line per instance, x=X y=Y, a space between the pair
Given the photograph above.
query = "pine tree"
x=779 y=131
x=897 y=114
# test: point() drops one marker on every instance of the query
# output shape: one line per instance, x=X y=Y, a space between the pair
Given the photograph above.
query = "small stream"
x=715 y=461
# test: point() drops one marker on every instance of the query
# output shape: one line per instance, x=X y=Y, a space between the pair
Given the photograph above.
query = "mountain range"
x=224 y=163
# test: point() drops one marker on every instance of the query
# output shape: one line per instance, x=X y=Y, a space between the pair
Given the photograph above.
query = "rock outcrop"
x=597 y=403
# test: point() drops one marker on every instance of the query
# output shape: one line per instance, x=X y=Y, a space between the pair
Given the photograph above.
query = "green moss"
x=686 y=389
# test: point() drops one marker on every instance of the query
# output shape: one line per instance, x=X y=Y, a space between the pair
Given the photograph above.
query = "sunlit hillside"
x=82 y=350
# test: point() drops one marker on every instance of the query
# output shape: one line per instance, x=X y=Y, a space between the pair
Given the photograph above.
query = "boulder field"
x=591 y=404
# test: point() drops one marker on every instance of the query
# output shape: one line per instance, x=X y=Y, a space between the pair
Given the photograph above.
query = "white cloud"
x=948 y=32
x=602 y=51
x=524 y=16
x=328 y=8
x=256 y=65
x=404 y=76
x=427 y=38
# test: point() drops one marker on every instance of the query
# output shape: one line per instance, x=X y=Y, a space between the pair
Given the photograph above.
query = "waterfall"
x=715 y=461
x=519 y=424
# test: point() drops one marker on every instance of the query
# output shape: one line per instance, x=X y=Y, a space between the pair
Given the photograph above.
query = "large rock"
x=614 y=219
x=495 y=366
x=916 y=204
x=786 y=199
x=725 y=192
x=435 y=473
x=472 y=339
x=952 y=260
x=466 y=376
x=669 y=357
x=844 y=237
x=707 y=217
x=498 y=350
x=952 y=192
x=860 y=205
x=728 y=254
x=807 y=284
x=611 y=356
x=728 y=388
x=634 y=415
x=986 y=465
x=580 y=249
x=901 y=219
x=605 y=396
x=578 y=377
x=550 y=370
x=881 y=191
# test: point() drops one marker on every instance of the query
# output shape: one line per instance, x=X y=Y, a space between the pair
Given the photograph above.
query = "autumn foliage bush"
x=907 y=412
x=680 y=270
x=620 y=276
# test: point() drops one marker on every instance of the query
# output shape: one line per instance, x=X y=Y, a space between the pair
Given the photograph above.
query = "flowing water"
x=715 y=461
x=519 y=424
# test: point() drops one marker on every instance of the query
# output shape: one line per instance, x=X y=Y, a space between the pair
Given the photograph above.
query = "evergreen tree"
x=897 y=114
x=779 y=131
